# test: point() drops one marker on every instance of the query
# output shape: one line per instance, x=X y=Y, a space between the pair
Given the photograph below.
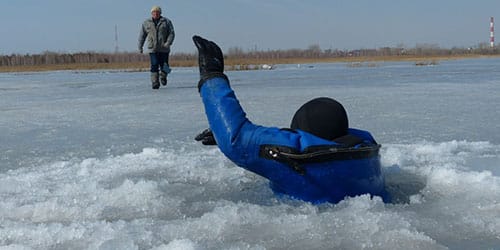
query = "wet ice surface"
x=97 y=160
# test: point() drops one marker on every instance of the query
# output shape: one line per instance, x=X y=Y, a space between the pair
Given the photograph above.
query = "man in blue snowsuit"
x=318 y=160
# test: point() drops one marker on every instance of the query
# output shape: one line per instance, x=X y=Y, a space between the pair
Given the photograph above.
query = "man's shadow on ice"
x=402 y=184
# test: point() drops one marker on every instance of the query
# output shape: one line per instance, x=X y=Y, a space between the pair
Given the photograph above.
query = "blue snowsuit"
x=256 y=148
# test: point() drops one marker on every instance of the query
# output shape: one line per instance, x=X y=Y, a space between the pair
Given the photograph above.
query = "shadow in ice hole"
x=401 y=184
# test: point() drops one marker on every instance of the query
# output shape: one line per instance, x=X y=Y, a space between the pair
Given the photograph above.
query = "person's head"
x=155 y=12
x=323 y=117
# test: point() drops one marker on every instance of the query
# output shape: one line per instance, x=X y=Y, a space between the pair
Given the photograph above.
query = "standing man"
x=160 y=34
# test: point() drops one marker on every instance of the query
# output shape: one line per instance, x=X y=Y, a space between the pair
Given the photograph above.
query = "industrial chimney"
x=492 y=33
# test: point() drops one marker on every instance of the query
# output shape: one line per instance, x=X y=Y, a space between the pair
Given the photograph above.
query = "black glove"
x=206 y=137
x=210 y=60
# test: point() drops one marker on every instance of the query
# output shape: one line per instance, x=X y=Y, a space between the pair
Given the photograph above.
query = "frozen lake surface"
x=98 y=160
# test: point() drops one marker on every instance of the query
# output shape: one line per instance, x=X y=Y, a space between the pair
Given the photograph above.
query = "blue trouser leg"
x=155 y=65
x=164 y=66
x=156 y=61
x=159 y=61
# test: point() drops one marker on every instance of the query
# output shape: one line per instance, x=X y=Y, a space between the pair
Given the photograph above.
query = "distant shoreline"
x=232 y=62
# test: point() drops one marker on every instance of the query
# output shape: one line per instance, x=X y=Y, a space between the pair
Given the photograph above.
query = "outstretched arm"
x=142 y=38
x=225 y=115
x=171 y=36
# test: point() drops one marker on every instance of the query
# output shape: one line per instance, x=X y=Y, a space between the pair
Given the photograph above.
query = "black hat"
x=323 y=117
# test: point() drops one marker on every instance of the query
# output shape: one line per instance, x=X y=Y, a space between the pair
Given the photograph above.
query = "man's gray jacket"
x=160 y=36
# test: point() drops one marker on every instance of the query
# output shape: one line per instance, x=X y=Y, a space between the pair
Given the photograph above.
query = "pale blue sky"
x=33 y=26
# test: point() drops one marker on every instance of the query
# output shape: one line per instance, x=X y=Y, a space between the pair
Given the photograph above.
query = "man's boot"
x=163 y=78
x=154 y=80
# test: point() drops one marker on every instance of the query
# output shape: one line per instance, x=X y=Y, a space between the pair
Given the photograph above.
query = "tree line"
x=51 y=58
x=312 y=52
